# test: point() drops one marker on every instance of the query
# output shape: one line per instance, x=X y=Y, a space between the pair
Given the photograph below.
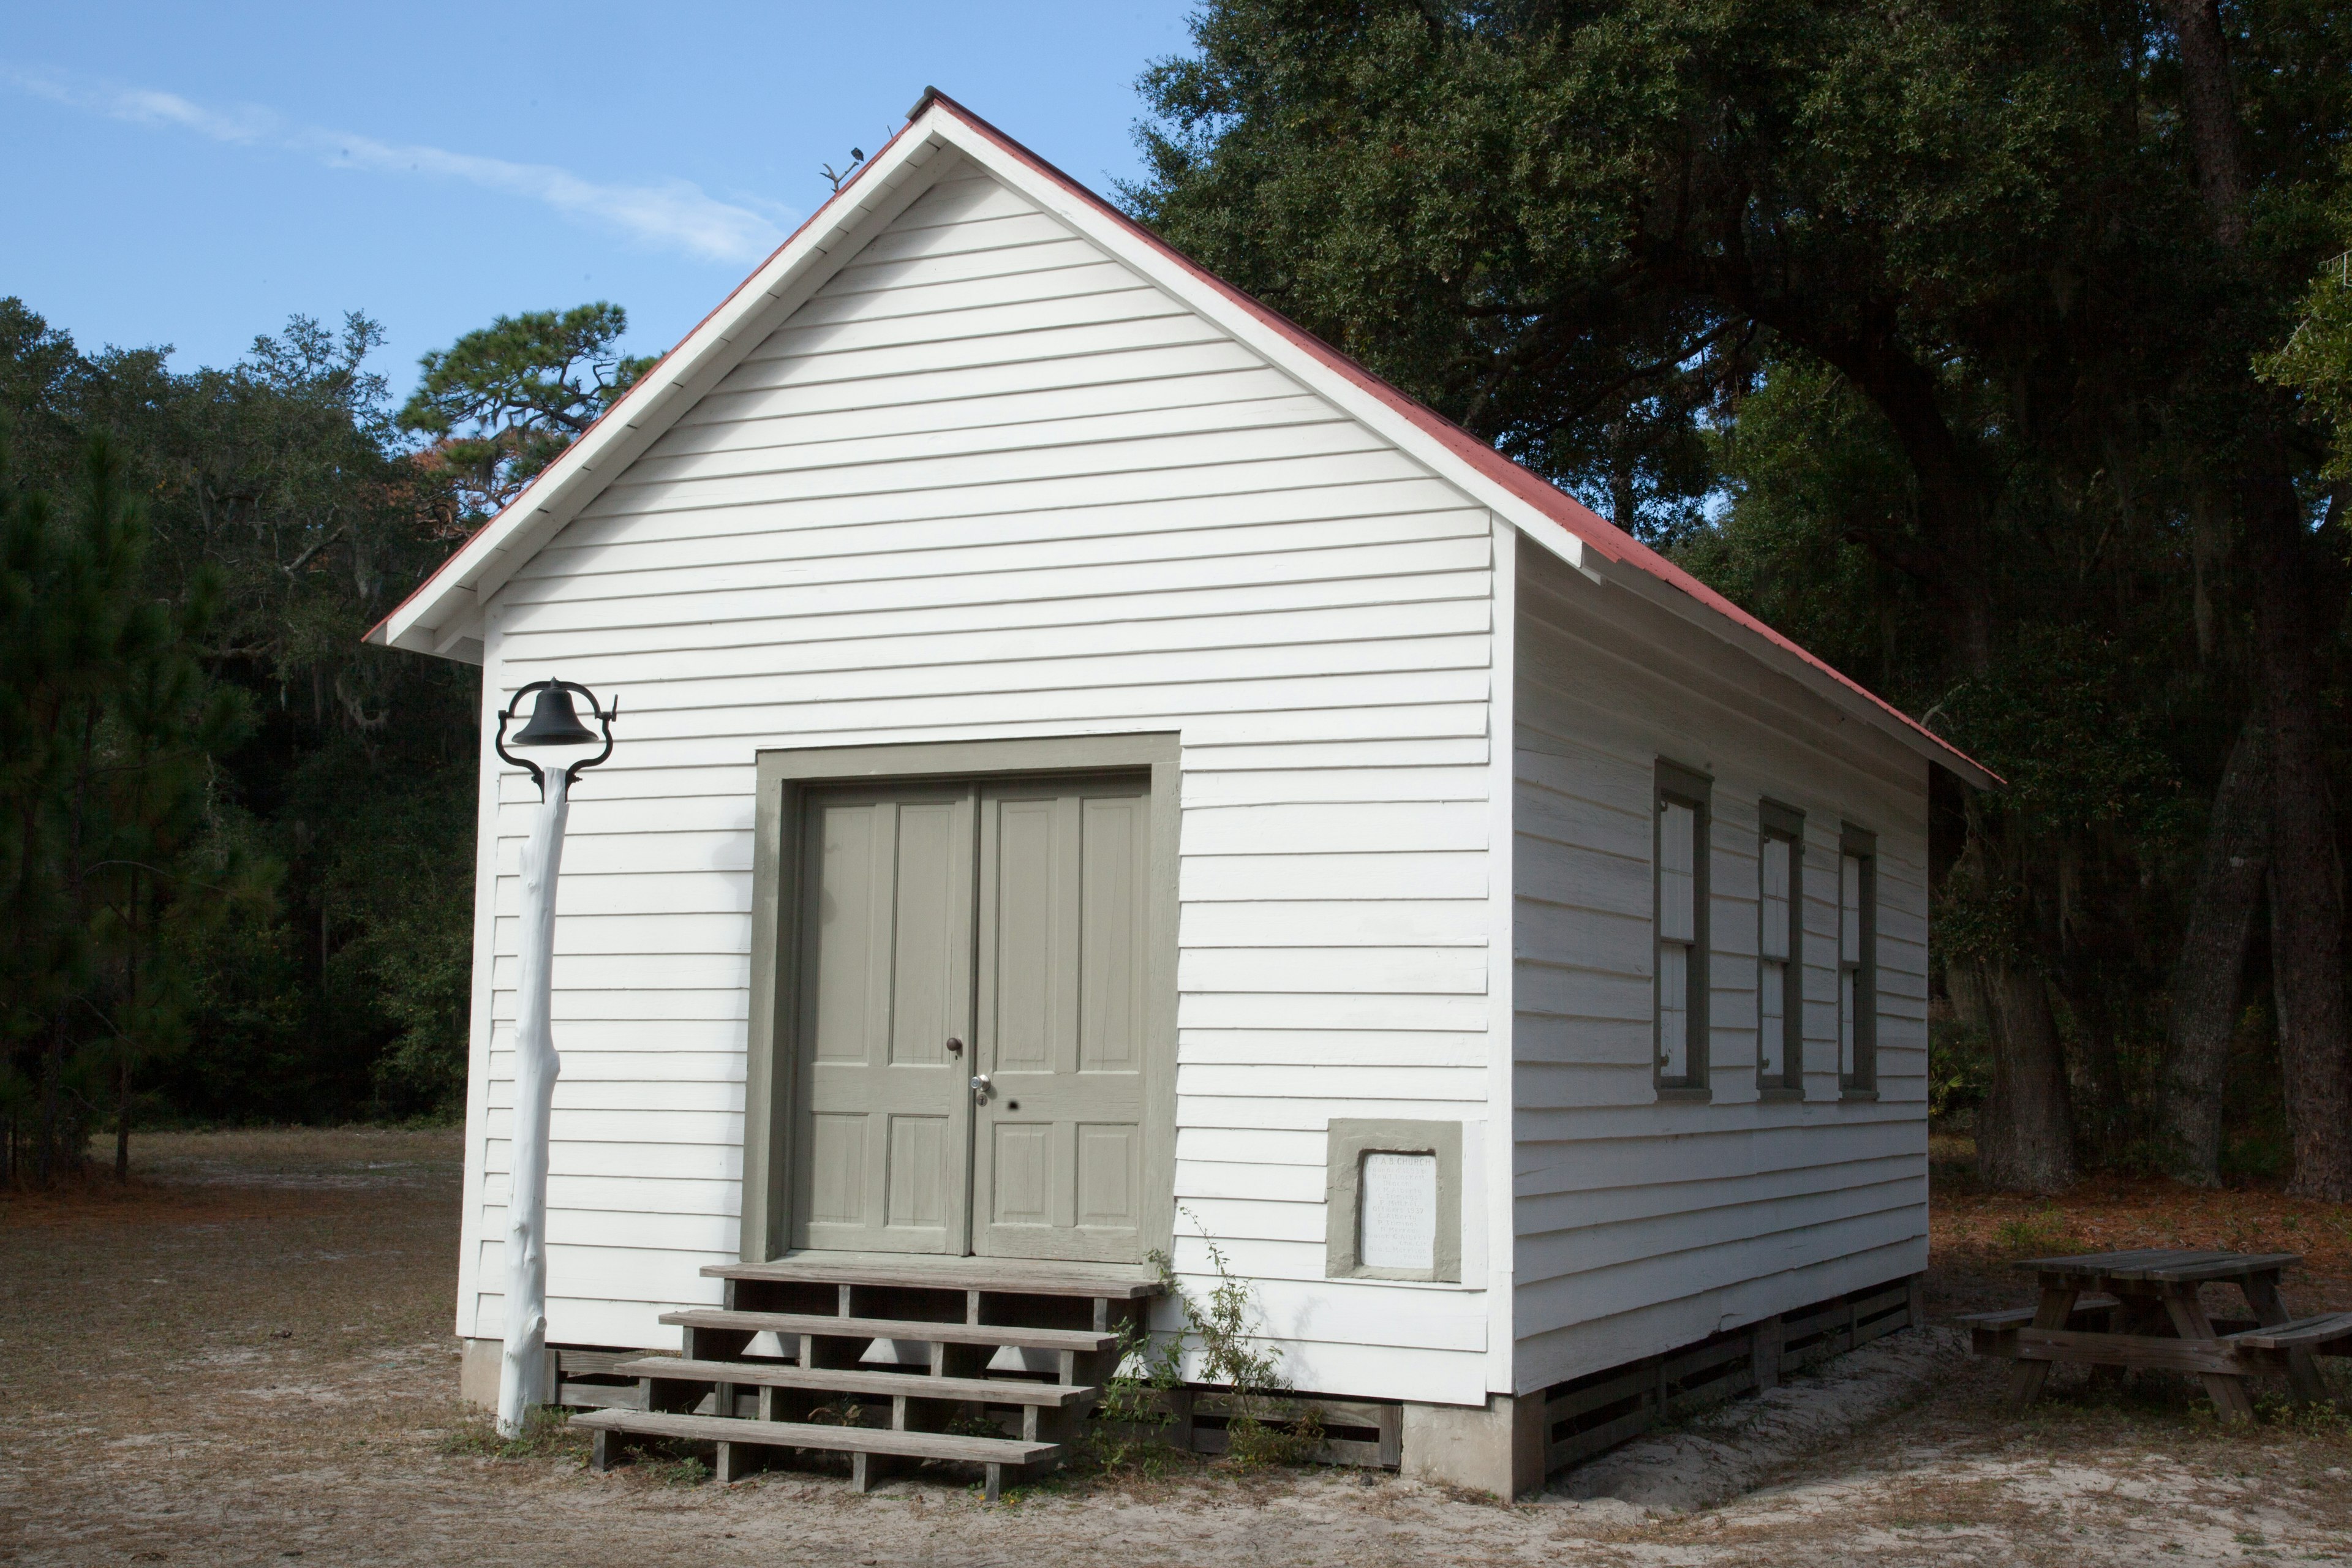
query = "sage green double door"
x=991 y=931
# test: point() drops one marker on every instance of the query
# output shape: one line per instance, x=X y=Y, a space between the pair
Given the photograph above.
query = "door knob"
x=979 y=1088
x=955 y=1047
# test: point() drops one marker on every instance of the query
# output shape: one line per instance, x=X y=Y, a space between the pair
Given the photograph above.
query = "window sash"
x=1781 y=948
x=1850 y=909
x=1857 y=975
x=1845 y=1023
x=1773 y=935
x=1677 y=868
x=1679 y=922
x=1674 y=1010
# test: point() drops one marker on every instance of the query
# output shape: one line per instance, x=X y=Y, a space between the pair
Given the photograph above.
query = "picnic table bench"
x=2141 y=1309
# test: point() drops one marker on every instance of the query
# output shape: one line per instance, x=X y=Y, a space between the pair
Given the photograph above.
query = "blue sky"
x=193 y=175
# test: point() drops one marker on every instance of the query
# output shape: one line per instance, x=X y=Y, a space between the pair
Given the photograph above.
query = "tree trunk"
x=53 y=1059
x=2206 y=980
x=2025 y=1130
x=2095 y=1079
x=2025 y=1134
x=123 y=1046
x=2210 y=100
x=2306 y=876
x=123 y=1122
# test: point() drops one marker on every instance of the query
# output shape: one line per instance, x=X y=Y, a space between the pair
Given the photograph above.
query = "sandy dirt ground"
x=244 y=1358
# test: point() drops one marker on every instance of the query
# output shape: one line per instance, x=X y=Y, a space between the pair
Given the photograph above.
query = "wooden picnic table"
x=2141 y=1309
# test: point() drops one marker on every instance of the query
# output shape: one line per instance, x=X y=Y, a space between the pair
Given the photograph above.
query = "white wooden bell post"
x=524 y=1380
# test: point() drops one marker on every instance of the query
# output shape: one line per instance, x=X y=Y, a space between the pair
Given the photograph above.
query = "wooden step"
x=797 y=1323
x=809 y=1435
x=848 y=1380
x=995 y=1275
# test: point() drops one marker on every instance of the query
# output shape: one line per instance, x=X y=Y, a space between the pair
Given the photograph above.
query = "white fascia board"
x=455 y=593
x=1836 y=692
x=1214 y=304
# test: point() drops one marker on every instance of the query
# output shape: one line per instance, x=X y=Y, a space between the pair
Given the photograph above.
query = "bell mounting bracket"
x=604 y=717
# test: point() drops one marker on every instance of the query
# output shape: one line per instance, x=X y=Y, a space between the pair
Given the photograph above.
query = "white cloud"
x=677 y=214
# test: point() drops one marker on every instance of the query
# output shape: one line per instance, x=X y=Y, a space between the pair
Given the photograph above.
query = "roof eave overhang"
x=443 y=616
x=1839 y=693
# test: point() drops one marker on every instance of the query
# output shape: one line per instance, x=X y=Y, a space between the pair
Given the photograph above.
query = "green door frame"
x=769 y=1080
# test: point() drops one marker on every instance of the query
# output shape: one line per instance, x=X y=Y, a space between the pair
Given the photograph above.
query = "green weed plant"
x=1263 y=1423
x=546 y=1433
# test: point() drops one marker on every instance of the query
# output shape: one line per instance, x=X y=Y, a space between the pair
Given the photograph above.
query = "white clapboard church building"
x=1099 y=774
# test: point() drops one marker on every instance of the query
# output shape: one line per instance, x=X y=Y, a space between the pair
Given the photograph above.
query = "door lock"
x=980 y=1088
x=955 y=1047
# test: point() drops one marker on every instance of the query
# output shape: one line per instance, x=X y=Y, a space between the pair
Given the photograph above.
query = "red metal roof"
x=1591 y=530
x=1589 y=527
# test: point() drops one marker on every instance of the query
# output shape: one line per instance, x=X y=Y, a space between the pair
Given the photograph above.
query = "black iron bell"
x=553 y=722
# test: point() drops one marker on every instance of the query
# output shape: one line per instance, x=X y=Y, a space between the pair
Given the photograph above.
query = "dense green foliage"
x=2316 y=359
x=108 y=723
x=2001 y=351
x=240 y=864
x=241 y=855
x=1917 y=329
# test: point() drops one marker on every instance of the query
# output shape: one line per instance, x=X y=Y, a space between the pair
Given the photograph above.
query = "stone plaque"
x=1400 y=1212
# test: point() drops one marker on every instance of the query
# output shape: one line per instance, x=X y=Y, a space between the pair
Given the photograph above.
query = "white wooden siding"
x=1642 y=1224
x=987 y=483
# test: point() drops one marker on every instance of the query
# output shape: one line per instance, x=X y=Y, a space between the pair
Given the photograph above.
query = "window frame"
x=1784 y=823
x=1679 y=786
x=1861 y=844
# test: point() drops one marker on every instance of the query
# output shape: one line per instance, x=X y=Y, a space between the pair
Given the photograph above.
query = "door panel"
x=887 y=885
x=919 y=1173
x=1023 y=1166
x=1034 y=988
x=1111 y=876
x=837 y=1147
x=1110 y=1168
x=1062 y=946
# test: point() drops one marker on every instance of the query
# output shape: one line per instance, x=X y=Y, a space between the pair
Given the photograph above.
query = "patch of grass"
x=2044 y=1234
x=2325 y=1420
x=687 y=1471
x=2148 y=1405
x=546 y=1433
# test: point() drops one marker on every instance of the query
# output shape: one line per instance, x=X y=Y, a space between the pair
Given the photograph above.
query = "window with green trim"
x=1858 y=959
x=1781 y=948
x=1681 y=892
